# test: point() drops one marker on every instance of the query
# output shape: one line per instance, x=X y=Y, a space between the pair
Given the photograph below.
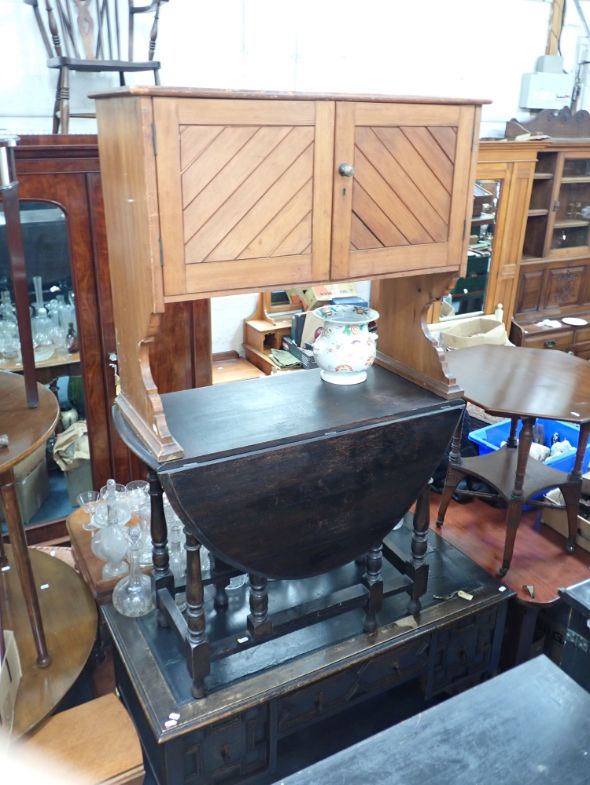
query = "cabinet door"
x=404 y=207
x=245 y=193
x=571 y=209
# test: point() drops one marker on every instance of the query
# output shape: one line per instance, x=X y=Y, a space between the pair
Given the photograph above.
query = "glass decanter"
x=132 y=596
x=113 y=539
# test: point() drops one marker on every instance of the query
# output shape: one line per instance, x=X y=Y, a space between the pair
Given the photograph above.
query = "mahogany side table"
x=522 y=384
x=26 y=429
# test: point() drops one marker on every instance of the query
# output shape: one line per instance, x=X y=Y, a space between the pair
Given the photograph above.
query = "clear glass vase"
x=177 y=559
x=132 y=596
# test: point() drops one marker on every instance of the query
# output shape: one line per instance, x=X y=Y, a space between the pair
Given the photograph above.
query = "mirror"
x=45 y=491
x=469 y=293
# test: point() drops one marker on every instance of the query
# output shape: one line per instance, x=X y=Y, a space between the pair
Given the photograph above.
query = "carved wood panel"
x=564 y=286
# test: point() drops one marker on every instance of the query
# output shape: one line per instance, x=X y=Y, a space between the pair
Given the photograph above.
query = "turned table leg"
x=516 y=500
x=419 y=547
x=23 y=564
x=454 y=475
x=198 y=646
x=3 y=558
x=373 y=580
x=161 y=575
x=258 y=621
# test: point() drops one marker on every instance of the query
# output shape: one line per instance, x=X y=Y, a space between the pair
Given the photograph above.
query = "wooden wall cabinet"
x=256 y=193
x=211 y=193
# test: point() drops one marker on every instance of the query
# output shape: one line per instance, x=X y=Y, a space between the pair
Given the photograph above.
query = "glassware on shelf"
x=89 y=501
x=132 y=596
x=139 y=503
x=111 y=516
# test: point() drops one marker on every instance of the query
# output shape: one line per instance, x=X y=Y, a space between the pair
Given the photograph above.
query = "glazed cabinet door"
x=403 y=175
x=244 y=191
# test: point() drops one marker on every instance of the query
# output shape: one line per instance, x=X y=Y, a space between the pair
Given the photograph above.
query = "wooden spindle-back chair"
x=93 y=36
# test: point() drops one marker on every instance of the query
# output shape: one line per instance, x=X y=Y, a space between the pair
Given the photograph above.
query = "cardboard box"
x=316 y=296
x=10 y=676
x=31 y=490
x=556 y=518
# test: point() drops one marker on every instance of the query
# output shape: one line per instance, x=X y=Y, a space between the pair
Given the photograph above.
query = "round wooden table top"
x=508 y=380
x=70 y=621
x=26 y=428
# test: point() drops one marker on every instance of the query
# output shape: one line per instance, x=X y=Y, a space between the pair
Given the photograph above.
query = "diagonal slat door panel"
x=298 y=241
x=230 y=177
x=370 y=213
x=219 y=153
x=274 y=234
x=361 y=237
x=265 y=209
x=400 y=182
x=388 y=201
x=446 y=138
x=429 y=149
x=415 y=166
x=194 y=140
x=239 y=200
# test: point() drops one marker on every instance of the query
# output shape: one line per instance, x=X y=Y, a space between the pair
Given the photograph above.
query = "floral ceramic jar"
x=345 y=348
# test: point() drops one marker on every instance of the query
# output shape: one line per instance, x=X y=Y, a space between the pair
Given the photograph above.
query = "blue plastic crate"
x=489 y=439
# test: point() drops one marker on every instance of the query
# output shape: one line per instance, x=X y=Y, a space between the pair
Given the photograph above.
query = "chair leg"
x=56 y=102
x=64 y=102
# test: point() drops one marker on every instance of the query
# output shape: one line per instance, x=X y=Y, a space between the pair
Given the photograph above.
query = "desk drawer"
x=582 y=335
x=561 y=340
x=335 y=693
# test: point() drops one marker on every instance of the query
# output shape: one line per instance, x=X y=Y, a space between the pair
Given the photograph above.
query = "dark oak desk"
x=522 y=384
x=525 y=727
x=261 y=697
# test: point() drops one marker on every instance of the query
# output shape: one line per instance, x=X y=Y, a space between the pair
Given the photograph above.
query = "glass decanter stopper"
x=132 y=596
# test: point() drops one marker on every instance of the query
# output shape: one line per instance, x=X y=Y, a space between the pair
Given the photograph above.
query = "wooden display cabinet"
x=62 y=172
x=554 y=281
x=505 y=170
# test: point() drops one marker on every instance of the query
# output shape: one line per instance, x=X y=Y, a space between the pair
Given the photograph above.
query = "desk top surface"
x=26 y=428
x=528 y=725
x=508 y=380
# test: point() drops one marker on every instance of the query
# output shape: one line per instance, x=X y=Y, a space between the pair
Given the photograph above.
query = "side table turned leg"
x=3 y=559
x=23 y=565
x=514 y=511
x=453 y=475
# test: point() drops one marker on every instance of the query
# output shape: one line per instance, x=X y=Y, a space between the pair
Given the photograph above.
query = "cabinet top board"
x=202 y=92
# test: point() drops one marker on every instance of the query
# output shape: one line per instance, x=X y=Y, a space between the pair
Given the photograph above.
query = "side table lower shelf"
x=260 y=696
